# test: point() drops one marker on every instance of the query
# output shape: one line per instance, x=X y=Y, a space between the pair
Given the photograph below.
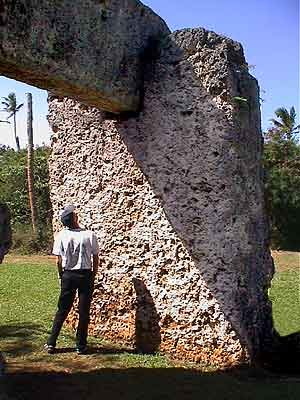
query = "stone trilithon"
x=175 y=191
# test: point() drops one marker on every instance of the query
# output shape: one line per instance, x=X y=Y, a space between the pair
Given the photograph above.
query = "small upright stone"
x=5 y=231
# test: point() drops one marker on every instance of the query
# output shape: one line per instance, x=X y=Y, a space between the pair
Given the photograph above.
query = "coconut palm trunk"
x=30 y=154
x=15 y=133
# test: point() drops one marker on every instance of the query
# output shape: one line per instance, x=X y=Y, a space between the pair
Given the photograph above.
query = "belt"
x=85 y=270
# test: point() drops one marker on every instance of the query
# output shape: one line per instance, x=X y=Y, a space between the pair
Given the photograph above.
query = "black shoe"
x=49 y=348
x=81 y=350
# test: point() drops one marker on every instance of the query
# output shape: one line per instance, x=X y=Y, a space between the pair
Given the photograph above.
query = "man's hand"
x=59 y=266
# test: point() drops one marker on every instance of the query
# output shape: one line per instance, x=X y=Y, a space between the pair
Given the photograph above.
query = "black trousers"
x=71 y=282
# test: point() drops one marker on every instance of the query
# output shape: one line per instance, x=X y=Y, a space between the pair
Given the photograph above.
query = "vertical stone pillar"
x=176 y=197
x=5 y=231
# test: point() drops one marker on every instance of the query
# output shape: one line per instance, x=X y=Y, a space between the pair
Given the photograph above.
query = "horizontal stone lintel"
x=92 y=52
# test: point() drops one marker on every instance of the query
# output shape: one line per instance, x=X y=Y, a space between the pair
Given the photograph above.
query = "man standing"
x=5 y=231
x=77 y=261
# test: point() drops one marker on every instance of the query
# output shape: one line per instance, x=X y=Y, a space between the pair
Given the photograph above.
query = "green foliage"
x=241 y=102
x=239 y=99
x=282 y=164
x=26 y=242
x=13 y=189
x=14 y=192
x=11 y=107
x=286 y=122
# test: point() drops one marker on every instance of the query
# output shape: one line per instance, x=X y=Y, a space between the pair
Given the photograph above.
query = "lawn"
x=28 y=294
x=285 y=292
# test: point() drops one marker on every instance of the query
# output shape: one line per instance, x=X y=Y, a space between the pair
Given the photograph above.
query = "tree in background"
x=287 y=123
x=30 y=154
x=282 y=164
x=14 y=193
x=11 y=107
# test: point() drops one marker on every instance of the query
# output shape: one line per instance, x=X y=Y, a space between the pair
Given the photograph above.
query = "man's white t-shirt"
x=76 y=247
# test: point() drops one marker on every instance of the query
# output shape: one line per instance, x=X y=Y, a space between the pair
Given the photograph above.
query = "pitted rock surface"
x=93 y=50
x=175 y=196
x=5 y=231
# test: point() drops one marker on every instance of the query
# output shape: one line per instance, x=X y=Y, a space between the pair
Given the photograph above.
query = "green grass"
x=285 y=292
x=285 y=296
x=28 y=296
x=28 y=299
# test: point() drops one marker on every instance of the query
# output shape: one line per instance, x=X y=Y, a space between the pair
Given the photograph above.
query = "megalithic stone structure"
x=176 y=198
x=5 y=231
x=91 y=50
x=175 y=193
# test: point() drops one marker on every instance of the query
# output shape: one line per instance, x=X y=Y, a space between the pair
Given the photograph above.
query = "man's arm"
x=59 y=266
x=57 y=252
x=95 y=264
x=95 y=252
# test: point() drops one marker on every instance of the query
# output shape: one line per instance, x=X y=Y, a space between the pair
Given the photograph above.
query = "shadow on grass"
x=24 y=338
x=152 y=384
x=19 y=339
x=100 y=350
x=283 y=356
x=103 y=382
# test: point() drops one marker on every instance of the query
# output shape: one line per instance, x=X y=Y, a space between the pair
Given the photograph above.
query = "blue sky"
x=268 y=30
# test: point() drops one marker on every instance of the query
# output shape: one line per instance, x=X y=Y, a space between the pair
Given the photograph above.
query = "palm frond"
x=281 y=111
x=285 y=118
x=296 y=129
x=12 y=96
x=276 y=123
x=19 y=106
x=293 y=113
x=10 y=103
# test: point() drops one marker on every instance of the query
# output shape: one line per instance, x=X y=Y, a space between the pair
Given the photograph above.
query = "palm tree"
x=30 y=163
x=11 y=107
x=286 y=122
